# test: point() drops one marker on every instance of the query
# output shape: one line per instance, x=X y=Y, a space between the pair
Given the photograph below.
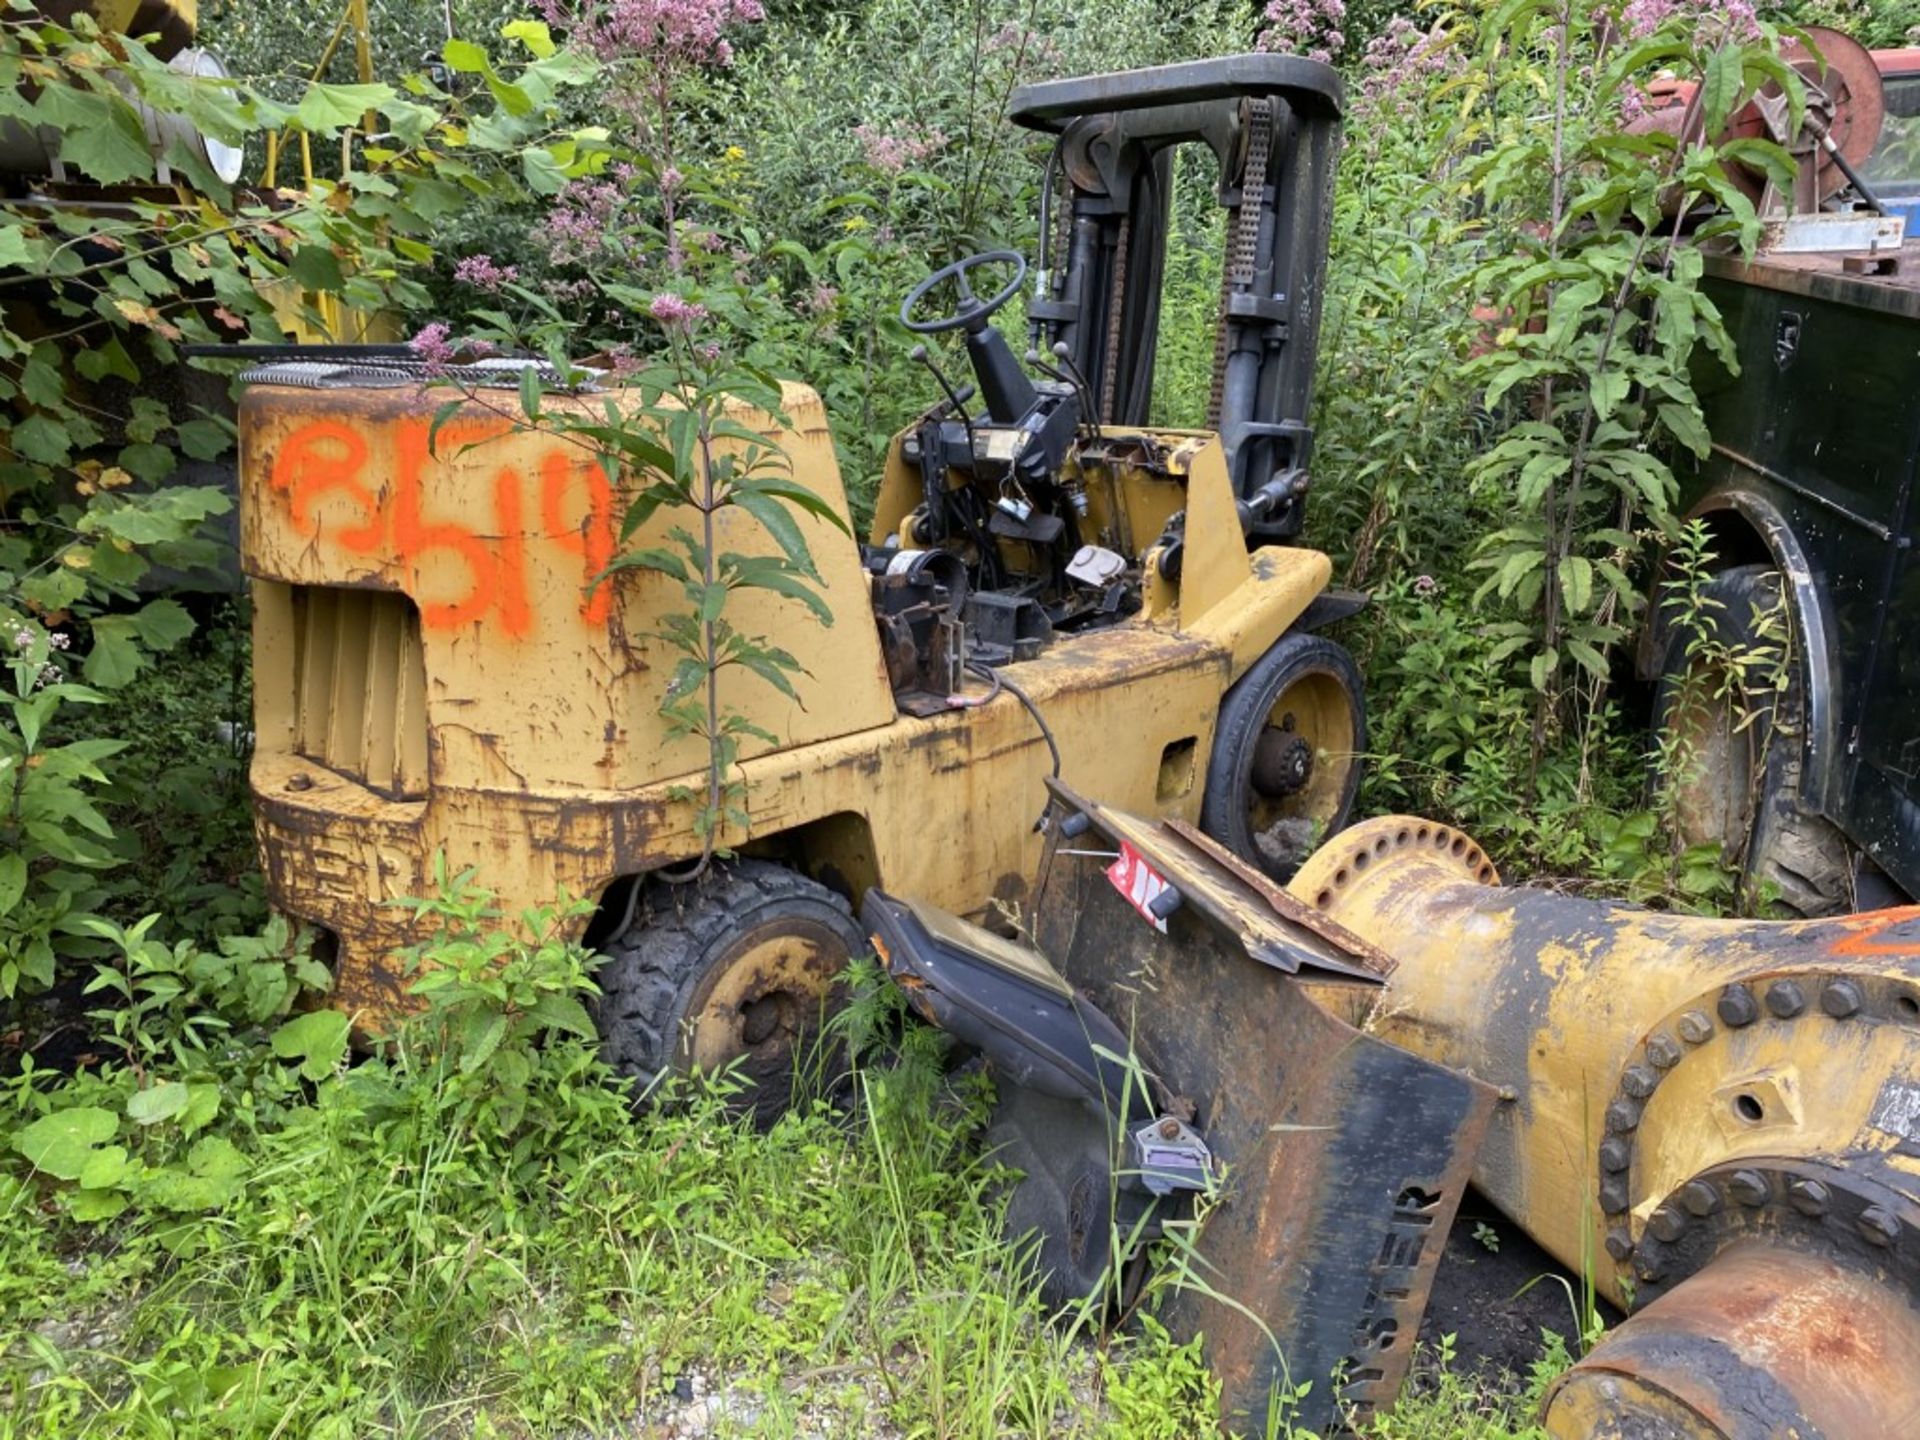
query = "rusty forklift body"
x=436 y=673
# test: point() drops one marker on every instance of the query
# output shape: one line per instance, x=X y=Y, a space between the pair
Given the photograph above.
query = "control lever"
x=956 y=398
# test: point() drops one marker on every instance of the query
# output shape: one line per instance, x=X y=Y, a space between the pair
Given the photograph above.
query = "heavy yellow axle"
x=1718 y=1120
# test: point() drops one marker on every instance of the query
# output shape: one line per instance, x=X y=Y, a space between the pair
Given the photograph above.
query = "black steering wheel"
x=973 y=312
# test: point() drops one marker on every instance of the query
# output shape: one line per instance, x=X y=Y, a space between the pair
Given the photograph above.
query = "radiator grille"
x=361 y=682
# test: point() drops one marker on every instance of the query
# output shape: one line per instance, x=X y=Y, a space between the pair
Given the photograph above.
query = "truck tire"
x=1740 y=787
x=738 y=971
x=1064 y=1198
x=1286 y=759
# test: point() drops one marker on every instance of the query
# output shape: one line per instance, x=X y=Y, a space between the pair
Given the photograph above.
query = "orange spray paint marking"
x=327 y=457
x=321 y=459
x=1862 y=937
x=592 y=538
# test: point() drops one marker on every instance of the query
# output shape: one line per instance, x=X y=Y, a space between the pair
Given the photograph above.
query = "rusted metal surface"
x=1345 y=1157
x=1765 y=1343
x=1679 y=1085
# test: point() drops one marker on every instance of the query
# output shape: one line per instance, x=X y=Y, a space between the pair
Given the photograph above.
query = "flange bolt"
x=1695 y=1027
x=1700 y=1198
x=1809 y=1197
x=1749 y=1187
x=1736 y=1006
x=1840 y=999
x=1785 y=999
x=1619 y=1243
x=1664 y=1051
x=1879 y=1225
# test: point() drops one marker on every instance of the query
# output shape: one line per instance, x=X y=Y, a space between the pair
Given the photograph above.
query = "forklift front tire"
x=1287 y=753
x=735 y=972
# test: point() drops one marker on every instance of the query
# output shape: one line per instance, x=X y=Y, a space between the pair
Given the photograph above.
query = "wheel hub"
x=1282 y=761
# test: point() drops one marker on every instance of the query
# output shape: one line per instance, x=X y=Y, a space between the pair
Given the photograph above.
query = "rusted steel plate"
x=1345 y=1157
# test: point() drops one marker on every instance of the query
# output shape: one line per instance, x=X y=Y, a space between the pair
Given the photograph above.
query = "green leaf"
x=332 y=107
x=162 y=624
x=114 y=659
x=317 y=1039
x=1720 y=86
x=63 y=1143
x=157 y=1103
x=533 y=34
x=466 y=58
x=316 y=267
x=777 y=521
x=203 y=1103
x=1686 y=426
x=1576 y=583
x=111 y=145
x=13 y=880
x=13 y=246
x=94 y=1205
x=1542 y=667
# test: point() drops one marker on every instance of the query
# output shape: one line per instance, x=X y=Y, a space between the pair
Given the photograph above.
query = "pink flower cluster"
x=675 y=312
x=433 y=345
x=680 y=34
x=1399 y=62
x=582 y=218
x=893 y=153
x=1731 y=19
x=484 y=273
x=1304 y=27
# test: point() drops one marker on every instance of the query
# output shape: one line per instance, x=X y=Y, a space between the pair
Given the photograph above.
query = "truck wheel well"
x=1735 y=541
x=836 y=851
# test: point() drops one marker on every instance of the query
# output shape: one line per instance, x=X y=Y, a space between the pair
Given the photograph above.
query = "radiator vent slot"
x=361 y=681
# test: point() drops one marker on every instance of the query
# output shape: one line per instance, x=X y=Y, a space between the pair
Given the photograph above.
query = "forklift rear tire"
x=1740 y=788
x=1286 y=759
x=735 y=972
x=1064 y=1199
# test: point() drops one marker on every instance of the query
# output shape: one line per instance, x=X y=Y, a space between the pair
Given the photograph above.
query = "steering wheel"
x=973 y=312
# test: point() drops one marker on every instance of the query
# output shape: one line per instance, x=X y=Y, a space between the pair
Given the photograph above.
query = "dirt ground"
x=1496 y=1291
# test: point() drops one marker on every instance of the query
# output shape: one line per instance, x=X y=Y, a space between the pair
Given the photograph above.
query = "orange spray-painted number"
x=329 y=458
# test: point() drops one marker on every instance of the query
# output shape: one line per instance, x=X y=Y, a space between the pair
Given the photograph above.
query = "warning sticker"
x=1134 y=878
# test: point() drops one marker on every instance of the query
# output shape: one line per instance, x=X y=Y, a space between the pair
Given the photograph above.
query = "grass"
x=389 y=1269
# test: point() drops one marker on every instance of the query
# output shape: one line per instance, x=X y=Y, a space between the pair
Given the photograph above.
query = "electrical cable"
x=1046 y=731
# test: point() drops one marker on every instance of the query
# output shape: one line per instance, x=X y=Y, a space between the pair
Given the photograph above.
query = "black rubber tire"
x=1326 y=804
x=671 y=972
x=1744 y=792
x=1065 y=1196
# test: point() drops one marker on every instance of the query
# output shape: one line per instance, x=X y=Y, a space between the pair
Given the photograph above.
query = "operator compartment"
x=1039 y=499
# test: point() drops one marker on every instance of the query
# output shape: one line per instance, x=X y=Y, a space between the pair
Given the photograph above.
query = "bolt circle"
x=1737 y=1006
x=1840 y=999
x=1785 y=999
x=1695 y=1028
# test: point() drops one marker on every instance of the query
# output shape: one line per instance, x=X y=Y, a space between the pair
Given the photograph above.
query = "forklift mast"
x=1273 y=124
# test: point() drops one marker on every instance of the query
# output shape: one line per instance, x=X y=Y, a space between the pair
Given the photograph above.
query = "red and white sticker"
x=1134 y=878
